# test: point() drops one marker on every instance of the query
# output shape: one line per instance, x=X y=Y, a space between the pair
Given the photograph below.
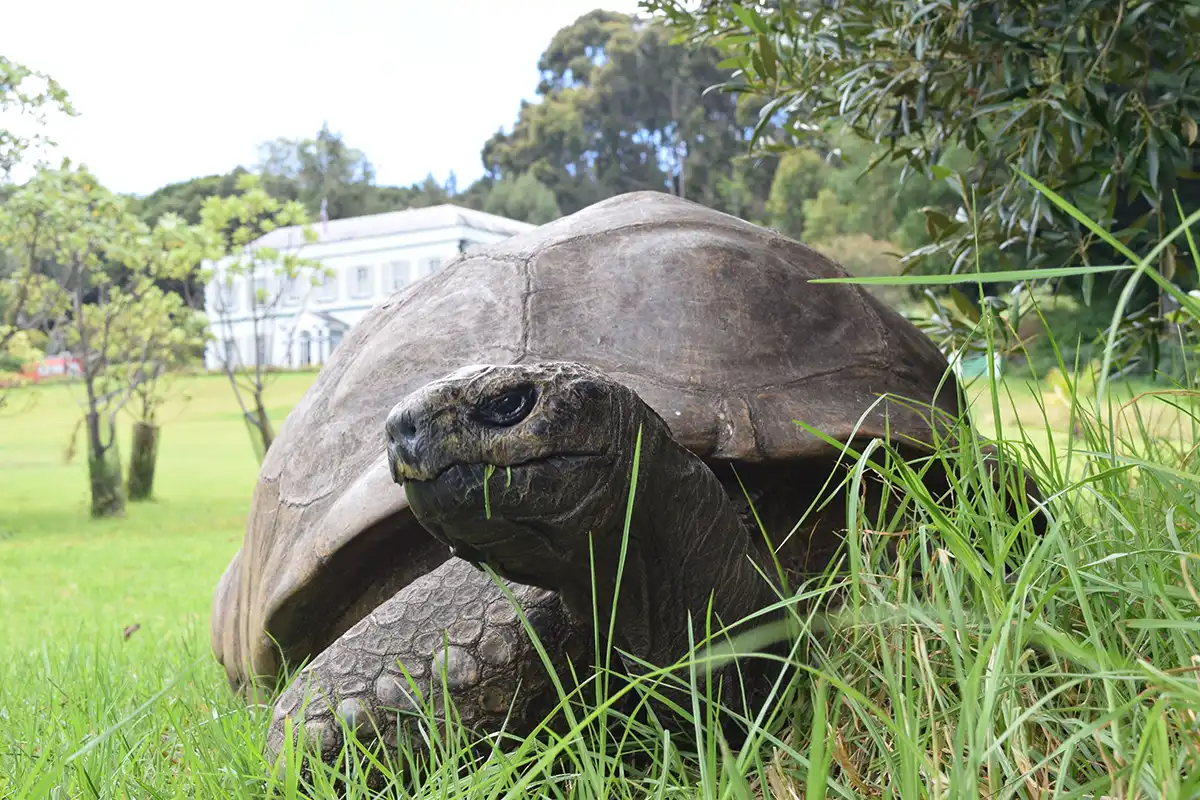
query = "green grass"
x=70 y=585
x=1075 y=678
x=155 y=567
x=1073 y=672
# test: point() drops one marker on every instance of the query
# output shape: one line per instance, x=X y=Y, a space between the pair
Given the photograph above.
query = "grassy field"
x=70 y=585
x=63 y=572
x=1074 y=676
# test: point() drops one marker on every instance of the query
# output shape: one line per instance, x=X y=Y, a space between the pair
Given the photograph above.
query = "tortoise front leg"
x=452 y=627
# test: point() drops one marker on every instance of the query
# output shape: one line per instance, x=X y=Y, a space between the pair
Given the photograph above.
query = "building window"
x=397 y=276
x=305 y=348
x=329 y=288
x=362 y=282
x=230 y=353
x=335 y=338
x=262 y=350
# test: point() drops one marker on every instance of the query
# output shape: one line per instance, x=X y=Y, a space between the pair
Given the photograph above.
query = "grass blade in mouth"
x=488 y=470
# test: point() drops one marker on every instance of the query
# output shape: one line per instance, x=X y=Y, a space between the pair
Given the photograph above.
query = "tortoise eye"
x=507 y=408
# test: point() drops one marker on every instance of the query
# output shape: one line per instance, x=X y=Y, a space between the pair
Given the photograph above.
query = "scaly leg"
x=494 y=676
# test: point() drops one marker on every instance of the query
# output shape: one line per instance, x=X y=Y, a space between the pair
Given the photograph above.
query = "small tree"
x=235 y=224
x=159 y=339
x=156 y=341
x=94 y=265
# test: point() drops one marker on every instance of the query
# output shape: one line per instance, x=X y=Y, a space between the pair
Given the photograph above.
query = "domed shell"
x=712 y=320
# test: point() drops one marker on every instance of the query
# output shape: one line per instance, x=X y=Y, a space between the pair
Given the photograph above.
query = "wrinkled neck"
x=688 y=550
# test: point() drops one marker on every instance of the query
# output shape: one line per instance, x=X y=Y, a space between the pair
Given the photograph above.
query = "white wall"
x=392 y=262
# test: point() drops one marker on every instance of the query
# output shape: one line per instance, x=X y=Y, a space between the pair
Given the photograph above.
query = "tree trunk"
x=104 y=472
x=142 y=459
x=261 y=431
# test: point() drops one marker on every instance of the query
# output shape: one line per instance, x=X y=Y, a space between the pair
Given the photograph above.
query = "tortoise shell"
x=711 y=319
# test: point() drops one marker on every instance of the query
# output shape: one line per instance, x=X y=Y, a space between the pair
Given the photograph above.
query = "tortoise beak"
x=409 y=444
x=401 y=469
x=395 y=467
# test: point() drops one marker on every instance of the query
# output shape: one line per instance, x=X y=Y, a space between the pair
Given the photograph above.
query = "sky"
x=168 y=91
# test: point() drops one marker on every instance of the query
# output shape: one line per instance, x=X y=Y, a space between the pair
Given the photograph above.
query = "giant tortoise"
x=533 y=366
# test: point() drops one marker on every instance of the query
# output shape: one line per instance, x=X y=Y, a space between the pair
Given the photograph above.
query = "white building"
x=370 y=258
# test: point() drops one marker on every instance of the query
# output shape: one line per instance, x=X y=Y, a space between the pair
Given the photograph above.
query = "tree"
x=524 y=198
x=325 y=173
x=29 y=94
x=166 y=332
x=623 y=108
x=323 y=170
x=272 y=276
x=185 y=199
x=818 y=194
x=420 y=195
x=1097 y=101
x=94 y=265
x=24 y=301
x=798 y=180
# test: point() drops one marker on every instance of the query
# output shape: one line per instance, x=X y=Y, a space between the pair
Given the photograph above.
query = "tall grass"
x=967 y=657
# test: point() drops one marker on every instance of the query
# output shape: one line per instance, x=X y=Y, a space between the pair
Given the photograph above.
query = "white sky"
x=168 y=91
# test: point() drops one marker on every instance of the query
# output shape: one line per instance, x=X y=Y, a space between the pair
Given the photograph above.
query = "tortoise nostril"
x=401 y=426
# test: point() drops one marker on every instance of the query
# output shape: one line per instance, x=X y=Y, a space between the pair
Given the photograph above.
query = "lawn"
x=70 y=585
x=1078 y=680
x=63 y=575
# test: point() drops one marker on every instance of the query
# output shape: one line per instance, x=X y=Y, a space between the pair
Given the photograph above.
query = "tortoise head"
x=520 y=462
